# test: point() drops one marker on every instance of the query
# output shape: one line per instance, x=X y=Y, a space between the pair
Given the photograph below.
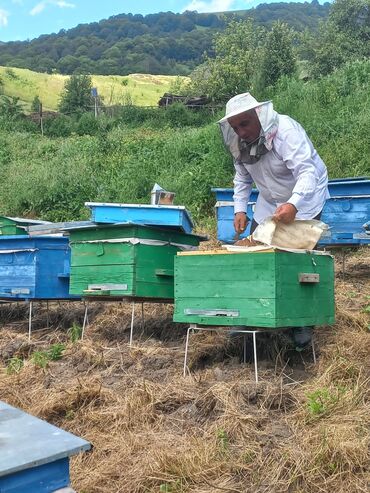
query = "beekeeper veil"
x=249 y=153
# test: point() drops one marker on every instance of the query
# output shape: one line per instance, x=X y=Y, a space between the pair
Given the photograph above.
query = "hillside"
x=140 y=89
x=163 y=43
x=119 y=159
x=303 y=428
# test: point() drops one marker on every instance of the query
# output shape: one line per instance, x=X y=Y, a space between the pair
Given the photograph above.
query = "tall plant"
x=76 y=96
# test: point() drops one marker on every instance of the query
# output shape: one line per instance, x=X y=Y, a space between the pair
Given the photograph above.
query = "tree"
x=35 y=105
x=235 y=66
x=344 y=37
x=76 y=96
x=278 y=57
x=11 y=107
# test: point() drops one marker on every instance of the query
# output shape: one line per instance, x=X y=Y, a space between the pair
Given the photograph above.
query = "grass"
x=303 y=429
x=141 y=89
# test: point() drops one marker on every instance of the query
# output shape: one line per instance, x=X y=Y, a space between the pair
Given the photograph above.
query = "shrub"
x=62 y=126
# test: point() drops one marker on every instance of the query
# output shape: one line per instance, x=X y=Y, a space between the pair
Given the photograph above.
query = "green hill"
x=163 y=43
x=141 y=89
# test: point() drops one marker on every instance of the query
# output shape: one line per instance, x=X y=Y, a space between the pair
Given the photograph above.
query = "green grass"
x=141 y=89
x=119 y=160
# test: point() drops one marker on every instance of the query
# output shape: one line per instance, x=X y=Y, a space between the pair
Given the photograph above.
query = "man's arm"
x=297 y=154
x=242 y=189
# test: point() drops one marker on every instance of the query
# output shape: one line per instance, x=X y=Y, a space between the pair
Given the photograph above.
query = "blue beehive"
x=150 y=215
x=34 y=455
x=345 y=212
x=34 y=267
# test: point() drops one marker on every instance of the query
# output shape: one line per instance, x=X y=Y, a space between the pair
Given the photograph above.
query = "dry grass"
x=303 y=429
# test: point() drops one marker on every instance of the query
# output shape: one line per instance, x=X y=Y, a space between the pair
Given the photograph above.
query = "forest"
x=163 y=43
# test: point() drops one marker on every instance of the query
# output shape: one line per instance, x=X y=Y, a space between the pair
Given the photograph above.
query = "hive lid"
x=26 y=441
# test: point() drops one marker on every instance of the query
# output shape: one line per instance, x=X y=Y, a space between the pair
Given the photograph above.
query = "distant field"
x=141 y=89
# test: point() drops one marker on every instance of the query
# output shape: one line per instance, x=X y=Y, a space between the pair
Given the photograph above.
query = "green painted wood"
x=83 y=276
x=133 y=231
x=263 y=287
x=147 y=269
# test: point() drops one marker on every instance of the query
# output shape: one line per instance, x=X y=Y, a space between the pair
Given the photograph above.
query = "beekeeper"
x=275 y=153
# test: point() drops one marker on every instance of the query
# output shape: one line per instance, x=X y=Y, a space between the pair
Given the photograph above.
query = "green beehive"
x=10 y=226
x=270 y=288
x=126 y=260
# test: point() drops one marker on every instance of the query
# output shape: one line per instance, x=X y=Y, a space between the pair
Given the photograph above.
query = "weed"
x=56 y=351
x=223 y=440
x=70 y=414
x=40 y=359
x=322 y=400
x=75 y=332
x=15 y=365
x=174 y=487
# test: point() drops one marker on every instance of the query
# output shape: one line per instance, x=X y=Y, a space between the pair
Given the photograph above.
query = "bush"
x=61 y=126
x=87 y=125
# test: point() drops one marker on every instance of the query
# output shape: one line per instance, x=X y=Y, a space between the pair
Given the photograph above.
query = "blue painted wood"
x=226 y=194
x=340 y=187
x=345 y=214
x=150 y=215
x=34 y=455
x=34 y=267
x=47 y=478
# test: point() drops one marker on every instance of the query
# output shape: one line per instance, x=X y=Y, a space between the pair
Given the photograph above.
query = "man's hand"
x=240 y=222
x=285 y=213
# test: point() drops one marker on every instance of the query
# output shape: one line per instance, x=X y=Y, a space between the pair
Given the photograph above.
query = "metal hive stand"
x=194 y=327
x=133 y=302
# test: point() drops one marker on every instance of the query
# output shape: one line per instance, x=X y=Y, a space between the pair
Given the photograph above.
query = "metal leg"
x=313 y=351
x=255 y=357
x=132 y=324
x=47 y=313
x=30 y=320
x=186 y=349
x=245 y=349
x=344 y=263
x=84 y=322
x=142 y=316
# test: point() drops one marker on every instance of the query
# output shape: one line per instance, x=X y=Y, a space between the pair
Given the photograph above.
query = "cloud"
x=210 y=6
x=38 y=8
x=3 y=18
x=41 y=6
x=64 y=5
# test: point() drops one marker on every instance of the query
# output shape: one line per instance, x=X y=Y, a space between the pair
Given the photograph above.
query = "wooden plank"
x=89 y=254
x=83 y=276
x=134 y=231
x=223 y=251
x=226 y=289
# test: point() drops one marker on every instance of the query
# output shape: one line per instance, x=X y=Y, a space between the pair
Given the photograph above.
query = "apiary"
x=34 y=455
x=34 y=267
x=269 y=288
x=126 y=260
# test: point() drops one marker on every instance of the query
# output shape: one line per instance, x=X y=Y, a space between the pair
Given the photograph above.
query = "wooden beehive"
x=261 y=289
x=34 y=455
x=34 y=267
x=16 y=225
x=126 y=260
x=347 y=209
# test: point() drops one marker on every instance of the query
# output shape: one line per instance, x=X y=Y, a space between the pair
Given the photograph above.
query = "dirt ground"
x=304 y=428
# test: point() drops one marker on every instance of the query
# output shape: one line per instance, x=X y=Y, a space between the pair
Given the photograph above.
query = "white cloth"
x=291 y=172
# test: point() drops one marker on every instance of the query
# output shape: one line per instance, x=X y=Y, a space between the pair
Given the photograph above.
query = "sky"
x=28 y=19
